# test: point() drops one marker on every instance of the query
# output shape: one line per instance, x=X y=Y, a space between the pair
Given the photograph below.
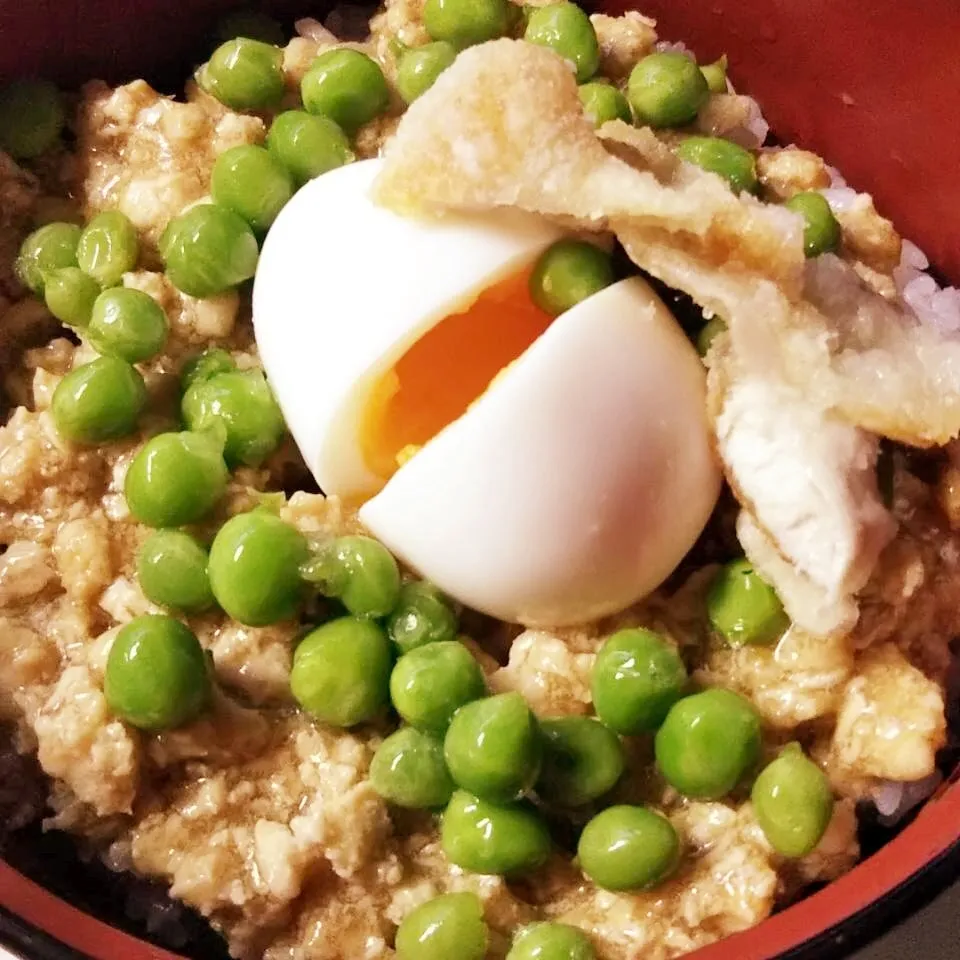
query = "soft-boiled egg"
x=543 y=470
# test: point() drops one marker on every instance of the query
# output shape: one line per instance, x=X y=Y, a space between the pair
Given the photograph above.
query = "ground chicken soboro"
x=265 y=821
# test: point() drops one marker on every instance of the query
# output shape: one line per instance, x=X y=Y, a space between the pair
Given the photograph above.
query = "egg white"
x=344 y=288
x=577 y=482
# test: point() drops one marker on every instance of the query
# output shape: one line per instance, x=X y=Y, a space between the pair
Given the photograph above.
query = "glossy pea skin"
x=551 y=941
x=346 y=86
x=127 y=323
x=251 y=24
x=419 y=68
x=493 y=747
x=251 y=182
x=707 y=743
x=172 y=570
x=69 y=295
x=156 y=676
x=341 y=671
x=449 y=927
x=582 y=760
x=254 y=568
x=602 y=102
x=743 y=608
x=716 y=75
x=359 y=571
x=566 y=273
x=565 y=28
x=430 y=683
x=244 y=74
x=637 y=677
x=727 y=160
x=175 y=479
x=420 y=616
x=31 y=118
x=491 y=838
x=241 y=407
x=821 y=231
x=793 y=803
x=48 y=248
x=666 y=90
x=205 y=366
x=408 y=770
x=208 y=250
x=628 y=848
x=466 y=22
x=108 y=248
x=99 y=401
x=308 y=145
x=708 y=333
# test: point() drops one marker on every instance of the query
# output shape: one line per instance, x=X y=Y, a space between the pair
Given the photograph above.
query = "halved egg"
x=546 y=471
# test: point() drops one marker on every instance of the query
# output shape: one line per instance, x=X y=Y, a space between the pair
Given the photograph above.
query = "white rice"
x=894 y=800
x=920 y=293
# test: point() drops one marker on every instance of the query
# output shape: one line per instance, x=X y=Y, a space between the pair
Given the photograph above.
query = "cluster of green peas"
x=76 y=271
x=491 y=763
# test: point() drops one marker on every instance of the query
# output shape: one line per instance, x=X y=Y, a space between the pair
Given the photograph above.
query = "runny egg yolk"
x=447 y=369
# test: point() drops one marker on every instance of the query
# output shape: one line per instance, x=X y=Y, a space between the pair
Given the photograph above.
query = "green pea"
x=408 y=769
x=360 y=572
x=637 y=678
x=666 y=90
x=725 y=159
x=70 y=294
x=244 y=74
x=628 y=848
x=743 y=608
x=564 y=28
x=419 y=68
x=108 y=248
x=341 y=671
x=251 y=182
x=255 y=568
x=493 y=747
x=156 y=676
x=175 y=479
x=240 y=405
x=551 y=941
x=421 y=616
x=582 y=760
x=467 y=22
x=208 y=250
x=566 y=273
x=429 y=684
x=31 y=118
x=308 y=145
x=251 y=24
x=449 y=927
x=708 y=333
x=45 y=250
x=172 y=570
x=99 y=401
x=716 y=75
x=492 y=838
x=127 y=323
x=346 y=86
x=793 y=803
x=205 y=366
x=707 y=743
x=602 y=102
x=821 y=230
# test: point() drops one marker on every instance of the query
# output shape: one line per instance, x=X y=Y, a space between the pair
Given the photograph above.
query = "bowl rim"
x=906 y=867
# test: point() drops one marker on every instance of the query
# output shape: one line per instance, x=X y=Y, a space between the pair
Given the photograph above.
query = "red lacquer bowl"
x=873 y=85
